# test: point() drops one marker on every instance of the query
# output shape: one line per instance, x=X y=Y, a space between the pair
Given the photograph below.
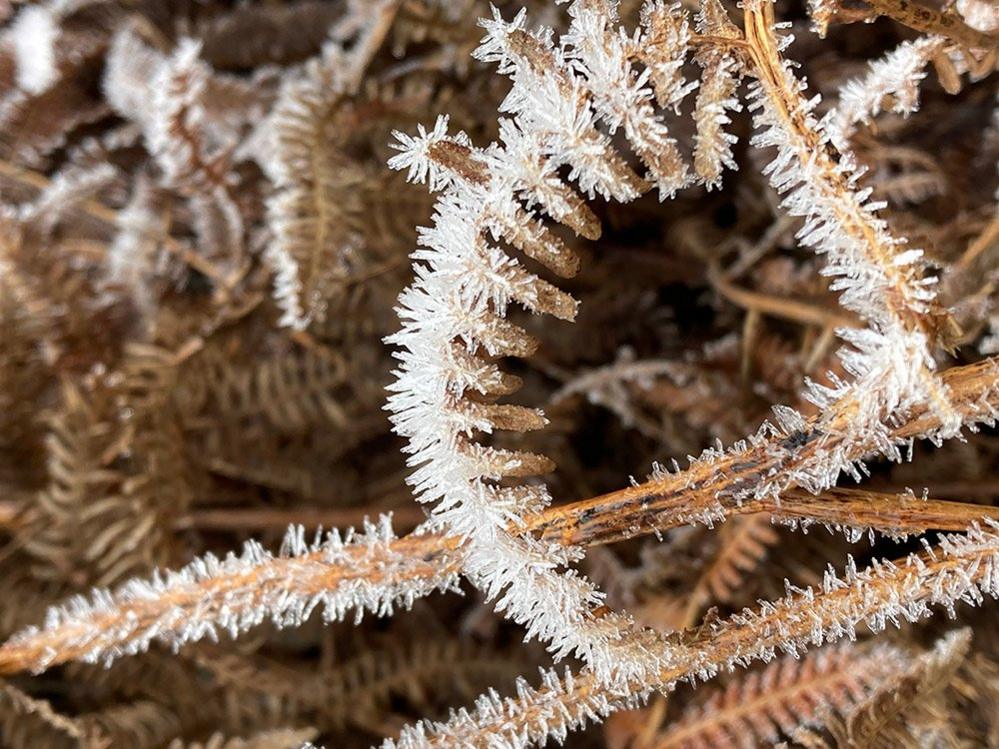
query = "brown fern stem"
x=707 y=486
x=768 y=68
x=946 y=22
x=656 y=505
x=428 y=558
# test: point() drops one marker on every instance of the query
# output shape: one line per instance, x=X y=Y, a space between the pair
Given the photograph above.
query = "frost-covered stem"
x=946 y=22
x=886 y=284
x=843 y=224
x=611 y=517
x=421 y=559
x=370 y=571
x=960 y=569
x=774 y=461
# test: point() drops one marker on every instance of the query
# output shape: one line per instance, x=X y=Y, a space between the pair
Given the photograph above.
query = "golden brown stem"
x=428 y=557
x=946 y=23
x=823 y=161
x=785 y=309
x=712 y=486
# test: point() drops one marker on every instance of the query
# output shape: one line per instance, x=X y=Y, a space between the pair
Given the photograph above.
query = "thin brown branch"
x=701 y=490
x=946 y=22
x=785 y=309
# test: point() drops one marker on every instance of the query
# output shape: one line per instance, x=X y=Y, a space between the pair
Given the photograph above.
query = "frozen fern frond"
x=560 y=94
x=602 y=54
x=453 y=321
x=315 y=211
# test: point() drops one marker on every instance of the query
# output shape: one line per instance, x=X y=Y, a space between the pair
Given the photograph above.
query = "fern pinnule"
x=717 y=96
x=754 y=708
x=894 y=78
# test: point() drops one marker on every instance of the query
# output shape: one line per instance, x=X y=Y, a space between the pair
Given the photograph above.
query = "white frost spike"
x=34 y=33
x=414 y=154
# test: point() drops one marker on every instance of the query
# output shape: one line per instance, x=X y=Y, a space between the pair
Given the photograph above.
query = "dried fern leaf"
x=117 y=467
x=755 y=708
x=315 y=210
x=143 y=724
x=892 y=716
x=360 y=688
